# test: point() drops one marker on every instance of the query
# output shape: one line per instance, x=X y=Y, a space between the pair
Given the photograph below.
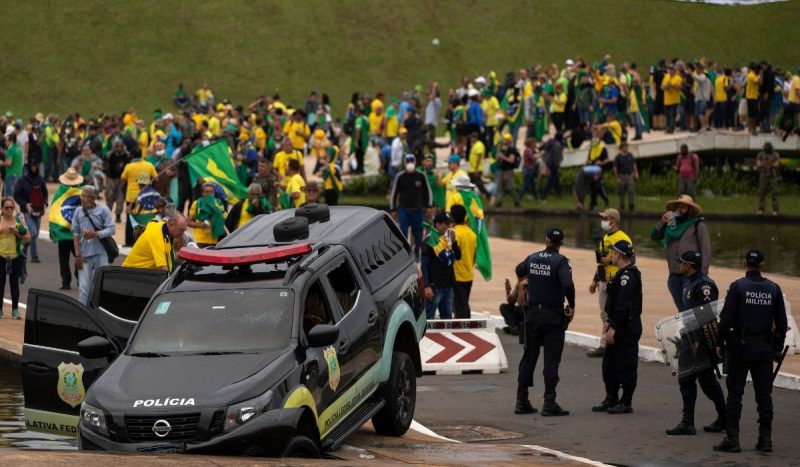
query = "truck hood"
x=180 y=383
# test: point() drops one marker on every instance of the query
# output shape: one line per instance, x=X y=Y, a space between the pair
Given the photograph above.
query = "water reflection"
x=729 y=239
x=13 y=434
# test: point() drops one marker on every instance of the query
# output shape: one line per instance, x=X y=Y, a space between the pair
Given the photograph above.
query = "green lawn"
x=100 y=56
x=745 y=205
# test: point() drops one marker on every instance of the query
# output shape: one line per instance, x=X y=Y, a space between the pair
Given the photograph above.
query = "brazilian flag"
x=65 y=200
x=213 y=164
x=474 y=206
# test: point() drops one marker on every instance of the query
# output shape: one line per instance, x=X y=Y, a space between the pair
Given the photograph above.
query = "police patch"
x=706 y=291
x=624 y=282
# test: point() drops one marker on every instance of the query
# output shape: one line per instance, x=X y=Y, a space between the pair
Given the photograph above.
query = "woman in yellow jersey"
x=722 y=86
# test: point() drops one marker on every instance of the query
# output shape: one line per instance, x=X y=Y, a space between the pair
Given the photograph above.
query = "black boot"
x=608 y=402
x=685 y=427
x=718 y=426
x=523 y=404
x=729 y=444
x=624 y=405
x=551 y=407
x=764 y=438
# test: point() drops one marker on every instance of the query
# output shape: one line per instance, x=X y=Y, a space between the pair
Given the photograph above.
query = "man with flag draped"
x=207 y=217
x=143 y=210
x=65 y=200
x=465 y=195
x=329 y=169
x=254 y=205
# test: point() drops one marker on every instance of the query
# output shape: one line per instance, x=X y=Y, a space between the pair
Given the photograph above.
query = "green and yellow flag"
x=474 y=206
x=65 y=200
x=213 y=164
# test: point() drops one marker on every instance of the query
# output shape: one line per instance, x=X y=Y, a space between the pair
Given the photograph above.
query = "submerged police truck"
x=282 y=340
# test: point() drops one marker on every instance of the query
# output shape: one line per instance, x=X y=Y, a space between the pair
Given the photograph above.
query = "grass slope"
x=92 y=56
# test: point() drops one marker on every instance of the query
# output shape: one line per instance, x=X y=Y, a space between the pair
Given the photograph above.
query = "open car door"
x=55 y=376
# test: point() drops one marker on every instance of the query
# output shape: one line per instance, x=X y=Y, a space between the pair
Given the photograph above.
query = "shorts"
x=742 y=107
x=752 y=108
x=700 y=108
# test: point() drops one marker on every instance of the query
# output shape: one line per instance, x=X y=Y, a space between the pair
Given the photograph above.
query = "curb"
x=646 y=353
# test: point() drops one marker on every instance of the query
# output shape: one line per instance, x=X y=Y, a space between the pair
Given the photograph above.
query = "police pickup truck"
x=282 y=340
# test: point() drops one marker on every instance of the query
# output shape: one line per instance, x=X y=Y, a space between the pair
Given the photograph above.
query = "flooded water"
x=729 y=239
x=13 y=434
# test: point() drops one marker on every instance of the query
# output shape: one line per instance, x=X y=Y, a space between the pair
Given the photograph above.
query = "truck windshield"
x=215 y=322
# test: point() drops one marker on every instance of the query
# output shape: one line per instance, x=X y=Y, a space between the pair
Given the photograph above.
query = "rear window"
x=224 y=321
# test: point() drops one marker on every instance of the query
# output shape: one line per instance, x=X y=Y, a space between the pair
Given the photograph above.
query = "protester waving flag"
x=65 y=200
x=465 y=195
x=214 y=165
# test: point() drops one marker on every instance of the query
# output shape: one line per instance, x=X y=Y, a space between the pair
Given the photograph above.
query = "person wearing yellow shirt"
x=465 y=266
x=204 y=95
x=392 y=120
x=722 y=84
x=142 y=137
x=558 y=105
x=295 y=184
x=284 y=156
x=377 y=122
x=298 y=131
x=477 y=155
x=490 y=106
x=753 y=81
x=214 y=123
x=260 y=134
x=207 y=218
x=130 y=176
x=610 y=223
x=671 y=84
x=155 y=248
x=454 y=167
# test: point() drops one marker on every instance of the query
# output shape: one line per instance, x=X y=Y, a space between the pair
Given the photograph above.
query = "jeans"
x=461 y=292
x=720 y=114
x=638 y=124
x=90 y=265
x=34 y=223
x=8 y=186
x=411 y=218
x=506 y=184
x=16 y=268
x=529 y=182
x=675 y=283
x=584 y=116
x=553 y=181
x=443 y=301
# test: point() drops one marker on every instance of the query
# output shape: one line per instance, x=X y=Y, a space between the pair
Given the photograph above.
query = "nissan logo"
x=161 y=428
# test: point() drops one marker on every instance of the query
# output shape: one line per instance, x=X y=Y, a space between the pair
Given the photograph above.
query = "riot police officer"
x=624 y=309
x=699 y=290
x=549 y=282
x=753 y=327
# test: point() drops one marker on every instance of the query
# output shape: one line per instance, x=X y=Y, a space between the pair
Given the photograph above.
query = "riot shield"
x=689 y=339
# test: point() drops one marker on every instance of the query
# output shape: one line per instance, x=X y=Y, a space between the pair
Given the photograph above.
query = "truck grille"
x=184 y=427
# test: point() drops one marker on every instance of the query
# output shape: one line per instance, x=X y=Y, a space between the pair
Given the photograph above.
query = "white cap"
x=9 y=129
x=472 y=92
x=480 y=79
x=168 y=116
x=569 y=62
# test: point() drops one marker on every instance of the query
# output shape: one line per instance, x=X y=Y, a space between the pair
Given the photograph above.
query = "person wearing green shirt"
x=360 y=139
x=13 y=164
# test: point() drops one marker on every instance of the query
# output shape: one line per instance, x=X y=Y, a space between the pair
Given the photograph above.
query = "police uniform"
x=753 y=305
x=549 y=283
x=621 y=359
x=699 y=290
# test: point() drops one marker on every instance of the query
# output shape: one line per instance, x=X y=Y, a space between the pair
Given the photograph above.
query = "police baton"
x=780 y=362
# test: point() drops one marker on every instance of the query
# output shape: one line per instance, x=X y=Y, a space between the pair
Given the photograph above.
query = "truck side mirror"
x=322 y=335
x=95 y=347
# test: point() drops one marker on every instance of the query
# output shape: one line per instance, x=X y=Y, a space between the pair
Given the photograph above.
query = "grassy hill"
x=93 y=56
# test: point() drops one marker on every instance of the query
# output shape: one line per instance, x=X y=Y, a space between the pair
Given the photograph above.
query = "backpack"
x=37 y=201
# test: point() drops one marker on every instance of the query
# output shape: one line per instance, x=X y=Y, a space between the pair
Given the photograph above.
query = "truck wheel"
x=400 y=394
x=301 y=446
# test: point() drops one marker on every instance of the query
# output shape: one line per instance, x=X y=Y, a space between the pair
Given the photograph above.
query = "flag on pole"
x=65 y=200
x=213 y=164
x=474 y=206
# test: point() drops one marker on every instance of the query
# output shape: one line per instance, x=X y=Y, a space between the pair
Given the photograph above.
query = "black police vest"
x=698 y=292
x=545 y=296
x=632 y=323
x=756 y=306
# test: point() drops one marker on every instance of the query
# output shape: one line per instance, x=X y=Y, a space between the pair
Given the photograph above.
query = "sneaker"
x=15 y=314
x=596 y=353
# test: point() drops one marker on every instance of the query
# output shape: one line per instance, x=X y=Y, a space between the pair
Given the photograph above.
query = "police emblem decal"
x=334 y=373
x=70 y=383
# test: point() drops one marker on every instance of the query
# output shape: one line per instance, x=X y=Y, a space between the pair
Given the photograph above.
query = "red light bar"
x=235 y=256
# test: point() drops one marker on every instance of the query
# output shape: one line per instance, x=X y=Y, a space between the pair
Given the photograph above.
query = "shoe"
x=551 y=407
x=596 y=353
x=64 y=287
x=15 y=314
x=35 y=259
x=524 y=406
x=118 y=219
x=683 y=428
x=513 y=330
x=717 y=427
x=620 y=408
x=729 y=444
x=605 y=405
x=764 y=443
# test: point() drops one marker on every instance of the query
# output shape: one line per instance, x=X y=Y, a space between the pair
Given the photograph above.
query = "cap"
x=507 y=137
x=610 y=213
x=691 y=257
x=554 y=235
x=442 y=218
x=168 y=116
x=472 y=92
x=319 y=133
x=429 y=156
x=569 y=62
x=624 y=248
x=480 y=80
x=754 y=257
x=410 y=158
x=454 y=158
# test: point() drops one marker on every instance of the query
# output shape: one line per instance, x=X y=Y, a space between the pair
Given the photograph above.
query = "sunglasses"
x=8 y=208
